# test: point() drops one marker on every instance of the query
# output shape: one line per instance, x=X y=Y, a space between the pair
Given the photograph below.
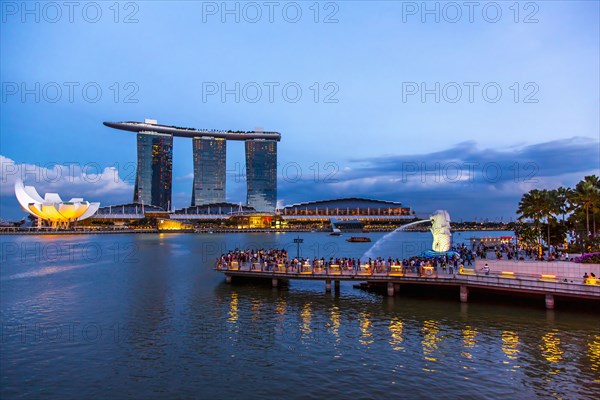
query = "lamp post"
x=298 y=240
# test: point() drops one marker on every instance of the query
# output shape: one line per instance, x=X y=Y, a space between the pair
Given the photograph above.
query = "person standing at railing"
x=486 y=269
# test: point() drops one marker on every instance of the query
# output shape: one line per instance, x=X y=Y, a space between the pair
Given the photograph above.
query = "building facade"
x=209 y=170
x=349 y=208
x=261 y=175
x=155 y=164
x=154 y=169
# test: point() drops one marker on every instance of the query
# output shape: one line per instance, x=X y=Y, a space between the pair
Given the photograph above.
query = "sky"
x=438 y=105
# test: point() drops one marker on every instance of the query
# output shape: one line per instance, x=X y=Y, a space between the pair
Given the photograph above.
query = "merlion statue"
x=440 y=230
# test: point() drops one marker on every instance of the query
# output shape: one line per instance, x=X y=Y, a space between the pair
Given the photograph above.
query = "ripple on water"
x=185 y=334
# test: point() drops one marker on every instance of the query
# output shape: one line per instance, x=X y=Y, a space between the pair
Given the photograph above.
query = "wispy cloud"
x=469 y=180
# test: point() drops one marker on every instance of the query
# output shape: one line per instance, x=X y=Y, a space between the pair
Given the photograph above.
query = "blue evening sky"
x=360 y=127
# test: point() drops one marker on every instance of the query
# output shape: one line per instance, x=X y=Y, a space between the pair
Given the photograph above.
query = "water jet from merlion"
x=440 y=230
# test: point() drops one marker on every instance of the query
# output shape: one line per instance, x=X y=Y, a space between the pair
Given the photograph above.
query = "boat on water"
x=336 y=232
x=358 y=239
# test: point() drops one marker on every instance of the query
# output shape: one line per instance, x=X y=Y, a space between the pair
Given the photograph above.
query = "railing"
x=86 y=229
x=395 y=271
x=118 y=215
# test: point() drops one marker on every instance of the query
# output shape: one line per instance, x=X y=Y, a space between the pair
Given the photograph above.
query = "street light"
x=298 y=241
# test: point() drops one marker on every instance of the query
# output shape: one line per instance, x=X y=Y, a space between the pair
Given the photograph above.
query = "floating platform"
x=358 y=239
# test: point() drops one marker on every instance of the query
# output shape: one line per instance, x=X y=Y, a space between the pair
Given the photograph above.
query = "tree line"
x=561 y=217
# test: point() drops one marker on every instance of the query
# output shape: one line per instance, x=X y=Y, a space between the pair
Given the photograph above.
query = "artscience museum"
x=51 y=210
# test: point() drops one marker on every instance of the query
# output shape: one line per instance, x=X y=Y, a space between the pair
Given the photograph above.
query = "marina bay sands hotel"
x=155 y=164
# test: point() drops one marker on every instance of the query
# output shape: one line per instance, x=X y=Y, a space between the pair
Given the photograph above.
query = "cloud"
x=470 y=181
x=187 y=177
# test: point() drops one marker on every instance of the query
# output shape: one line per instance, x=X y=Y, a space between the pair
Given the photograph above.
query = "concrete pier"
x=549 y=302
x=327 y=285
x=274 y=282
x=390 y=288
x=464 y=294
x=336 y=286
x=228 y=278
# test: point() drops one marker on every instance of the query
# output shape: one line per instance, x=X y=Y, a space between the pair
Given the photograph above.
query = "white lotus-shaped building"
x=51 y=208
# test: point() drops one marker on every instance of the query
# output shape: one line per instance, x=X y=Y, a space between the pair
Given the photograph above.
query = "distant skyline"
x=464 y=116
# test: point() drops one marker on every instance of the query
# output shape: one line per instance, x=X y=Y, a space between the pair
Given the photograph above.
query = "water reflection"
x=551 y=351
x=396 y=328
x=594 y=355
x=306 y=315
x=335 y=322
x=233 y=308
x=366 y=326
x=510 y=344
x=430 y=341
x=510 y=347
x=469 y=341
x=255 y=309
x=550 y=347
x=280 y=309
x=183 y=323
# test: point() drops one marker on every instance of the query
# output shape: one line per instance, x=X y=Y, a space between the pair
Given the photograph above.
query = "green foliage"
x=527 y=233
x=556 y=213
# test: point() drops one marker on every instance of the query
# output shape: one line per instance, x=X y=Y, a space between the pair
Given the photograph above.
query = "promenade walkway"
x=563 y=279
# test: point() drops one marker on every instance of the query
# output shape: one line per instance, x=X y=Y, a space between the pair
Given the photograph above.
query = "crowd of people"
x=463 y=257
x=271 y=259
x=263 y=257
x=511 y=251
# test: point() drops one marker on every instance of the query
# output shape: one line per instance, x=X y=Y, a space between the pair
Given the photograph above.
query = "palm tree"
x=595 y=210
x=551 y=207
x=531 y=206
x=539 y=205
x=587 y=195
x=563 y=196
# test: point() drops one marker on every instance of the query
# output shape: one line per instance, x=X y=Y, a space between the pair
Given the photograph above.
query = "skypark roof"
x=132 y=126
